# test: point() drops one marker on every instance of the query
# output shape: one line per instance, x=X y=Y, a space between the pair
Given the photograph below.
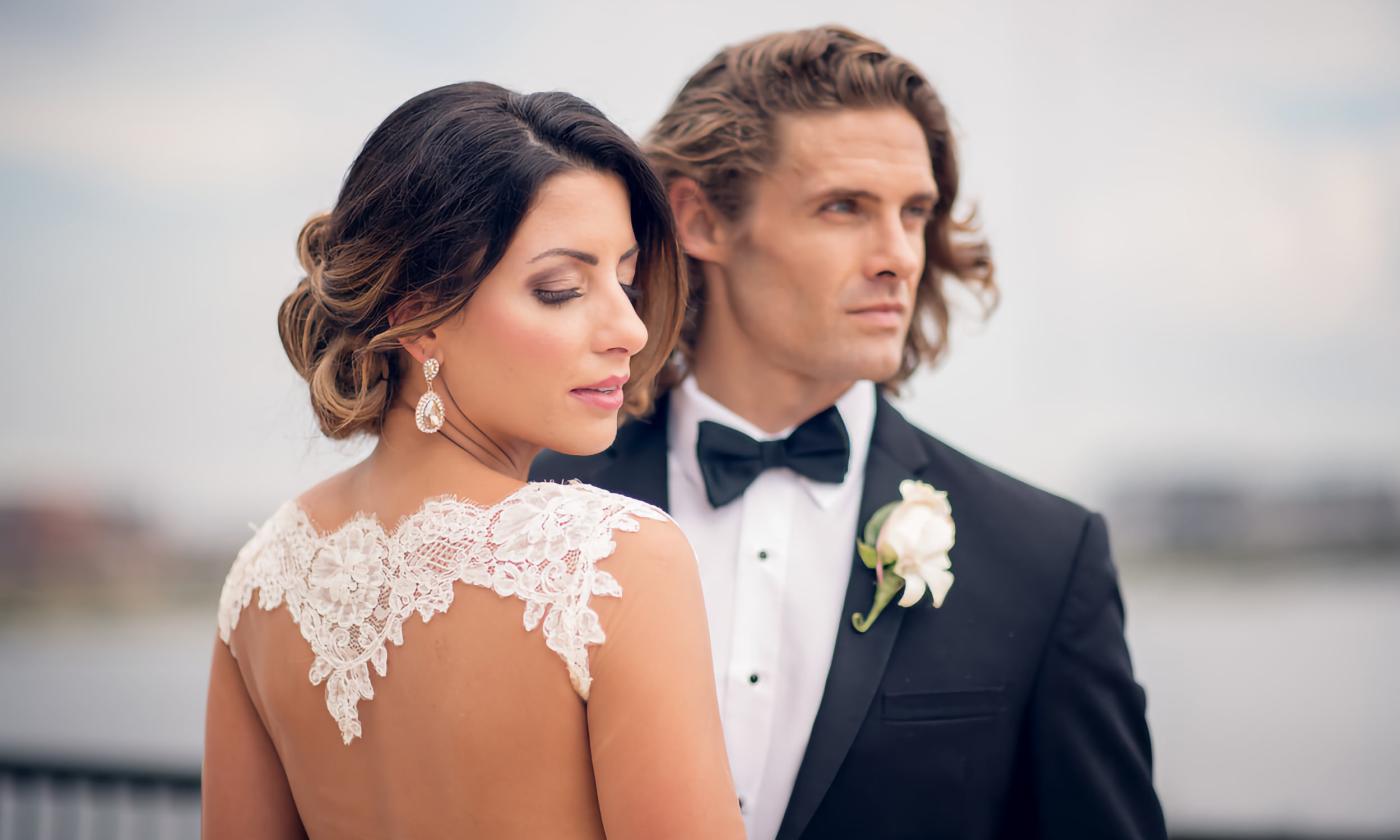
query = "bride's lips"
x=606 y=394
x=881 y=315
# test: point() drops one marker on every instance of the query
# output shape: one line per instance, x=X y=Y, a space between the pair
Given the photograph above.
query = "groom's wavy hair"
x=720 y=131
x=427 y=211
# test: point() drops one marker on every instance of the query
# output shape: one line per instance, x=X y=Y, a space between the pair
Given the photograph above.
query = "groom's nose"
x=895 y=251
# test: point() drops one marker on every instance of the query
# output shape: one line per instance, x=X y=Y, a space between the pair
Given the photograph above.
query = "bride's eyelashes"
x=557 y=297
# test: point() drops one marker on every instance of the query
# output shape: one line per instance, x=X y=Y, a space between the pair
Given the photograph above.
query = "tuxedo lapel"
x=859 y=659
x=636 y=464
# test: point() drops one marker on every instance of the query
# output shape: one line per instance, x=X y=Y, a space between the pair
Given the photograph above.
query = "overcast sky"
x=1195 y=209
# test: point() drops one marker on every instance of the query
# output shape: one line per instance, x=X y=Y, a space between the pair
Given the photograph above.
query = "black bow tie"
x=730 y=460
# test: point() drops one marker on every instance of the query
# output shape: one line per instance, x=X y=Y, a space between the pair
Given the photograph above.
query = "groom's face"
x=820 y=275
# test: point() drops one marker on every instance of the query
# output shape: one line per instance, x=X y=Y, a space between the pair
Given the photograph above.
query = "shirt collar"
x=689 y=406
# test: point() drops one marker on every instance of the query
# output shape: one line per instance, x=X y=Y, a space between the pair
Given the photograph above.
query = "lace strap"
x=571 y=625
x=351 y=590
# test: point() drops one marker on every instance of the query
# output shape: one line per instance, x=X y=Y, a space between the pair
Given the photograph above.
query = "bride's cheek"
x=513 y=329
x=541 y=344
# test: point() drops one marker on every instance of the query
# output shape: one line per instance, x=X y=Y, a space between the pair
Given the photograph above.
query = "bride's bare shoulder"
x=329 y=502
x=656 y=541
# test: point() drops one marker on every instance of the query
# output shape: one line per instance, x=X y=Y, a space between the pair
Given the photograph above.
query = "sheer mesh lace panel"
x=351 y=590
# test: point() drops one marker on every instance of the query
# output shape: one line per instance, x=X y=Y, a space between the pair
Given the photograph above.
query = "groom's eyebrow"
x=581 y=256
x=867 y=195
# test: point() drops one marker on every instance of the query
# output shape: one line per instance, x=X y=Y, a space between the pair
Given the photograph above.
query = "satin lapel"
x=637 y=465
x=859 y=659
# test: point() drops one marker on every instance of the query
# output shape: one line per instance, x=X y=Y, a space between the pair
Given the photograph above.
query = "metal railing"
x=53 y=799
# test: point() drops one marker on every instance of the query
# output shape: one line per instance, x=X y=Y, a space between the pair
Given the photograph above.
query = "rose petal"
x=939 y=584
x=936 y=535
x=913 y=590
x=934 y=564
x=903 y=531
x=916 y=491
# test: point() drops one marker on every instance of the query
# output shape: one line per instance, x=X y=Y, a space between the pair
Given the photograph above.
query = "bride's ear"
x=699 y=227
x=422 y=346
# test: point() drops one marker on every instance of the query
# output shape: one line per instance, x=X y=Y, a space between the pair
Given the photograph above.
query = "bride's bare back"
x=480 y=727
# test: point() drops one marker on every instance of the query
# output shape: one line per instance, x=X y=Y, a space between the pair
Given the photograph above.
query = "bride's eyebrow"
x=581 y=256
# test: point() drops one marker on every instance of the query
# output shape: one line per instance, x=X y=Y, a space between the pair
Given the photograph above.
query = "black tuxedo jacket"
x=1009 y=712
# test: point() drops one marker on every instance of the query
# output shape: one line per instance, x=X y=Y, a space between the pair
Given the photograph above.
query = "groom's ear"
x=699 y=227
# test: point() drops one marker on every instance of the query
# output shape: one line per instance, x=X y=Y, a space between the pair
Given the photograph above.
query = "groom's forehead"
x=852 y=148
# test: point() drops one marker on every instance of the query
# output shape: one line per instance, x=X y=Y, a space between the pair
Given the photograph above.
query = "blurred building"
x=59 y=552
x=1336 y=517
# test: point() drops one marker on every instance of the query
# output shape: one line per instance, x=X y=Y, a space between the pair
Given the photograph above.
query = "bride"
x=426 y=645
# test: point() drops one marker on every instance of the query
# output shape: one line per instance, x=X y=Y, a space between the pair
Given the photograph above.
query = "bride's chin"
x=585 y=441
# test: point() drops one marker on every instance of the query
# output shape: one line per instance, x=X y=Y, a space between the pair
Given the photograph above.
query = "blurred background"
x=1195 y=211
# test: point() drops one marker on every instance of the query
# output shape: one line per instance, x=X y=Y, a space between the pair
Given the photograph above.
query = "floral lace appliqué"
x=350 y=590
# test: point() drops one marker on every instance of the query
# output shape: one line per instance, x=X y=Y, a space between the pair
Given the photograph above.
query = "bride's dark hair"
x=427 y=210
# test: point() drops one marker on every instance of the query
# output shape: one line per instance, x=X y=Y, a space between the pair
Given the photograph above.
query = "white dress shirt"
x=774 y=565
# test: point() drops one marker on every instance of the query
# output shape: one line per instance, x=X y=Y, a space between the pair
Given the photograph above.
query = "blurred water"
x=126 y=688
x=1270 y=697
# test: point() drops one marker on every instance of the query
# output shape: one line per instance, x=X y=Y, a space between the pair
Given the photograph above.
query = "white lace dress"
x=351 y=590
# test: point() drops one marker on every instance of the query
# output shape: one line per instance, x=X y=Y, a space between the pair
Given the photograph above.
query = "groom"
x=812 y=176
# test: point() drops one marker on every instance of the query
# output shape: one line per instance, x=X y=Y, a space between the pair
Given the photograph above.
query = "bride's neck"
x=458 y=455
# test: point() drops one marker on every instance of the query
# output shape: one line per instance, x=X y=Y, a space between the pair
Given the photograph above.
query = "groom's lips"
x=888 y=315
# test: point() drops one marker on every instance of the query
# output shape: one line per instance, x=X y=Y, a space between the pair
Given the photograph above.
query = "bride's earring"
x=430 y=414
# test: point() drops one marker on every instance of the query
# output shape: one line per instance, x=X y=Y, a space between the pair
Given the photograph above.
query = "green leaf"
x=872 y=528
x=867 y=554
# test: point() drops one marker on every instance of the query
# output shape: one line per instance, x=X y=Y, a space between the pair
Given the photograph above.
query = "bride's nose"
x=619 y=327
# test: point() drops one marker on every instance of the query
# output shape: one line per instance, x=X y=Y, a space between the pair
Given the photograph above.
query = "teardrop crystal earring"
x=430 y=413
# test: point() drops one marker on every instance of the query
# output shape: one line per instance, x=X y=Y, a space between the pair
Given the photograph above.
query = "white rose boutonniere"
x=907 y=544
